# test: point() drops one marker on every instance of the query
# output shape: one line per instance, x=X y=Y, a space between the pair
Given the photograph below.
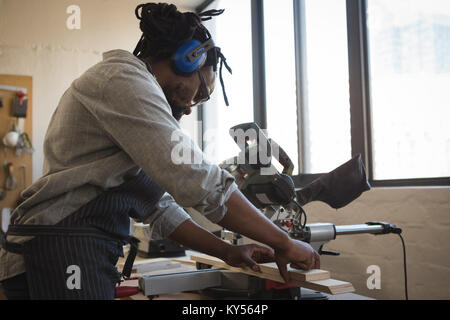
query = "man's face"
x=183 y=93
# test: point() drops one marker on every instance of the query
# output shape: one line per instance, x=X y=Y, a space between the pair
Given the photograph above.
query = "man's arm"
x=244 y=218
x=136 y=116
x=196 y=238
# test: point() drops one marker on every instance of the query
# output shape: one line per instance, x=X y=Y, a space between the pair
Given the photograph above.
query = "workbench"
x=185 y=264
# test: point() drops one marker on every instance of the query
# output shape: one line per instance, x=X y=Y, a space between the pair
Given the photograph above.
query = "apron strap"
x=42 y=230
x=2 y=238
x=128 y=266
x=16 y=248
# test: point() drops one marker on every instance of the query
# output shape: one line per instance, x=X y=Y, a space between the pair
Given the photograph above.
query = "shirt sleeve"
x=167 y=217
x=136 y=115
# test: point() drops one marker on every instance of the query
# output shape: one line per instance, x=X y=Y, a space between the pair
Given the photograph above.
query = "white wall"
x=35 y=41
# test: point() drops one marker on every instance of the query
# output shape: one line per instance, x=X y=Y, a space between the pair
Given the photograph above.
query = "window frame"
x=359 y=79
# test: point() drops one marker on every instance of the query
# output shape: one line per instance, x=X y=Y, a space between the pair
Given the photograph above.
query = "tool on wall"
x=15 y=136
x=2 y=190
x=11 y=182
x=11 y=139
x=20 y=105
x=23 y=167
x=24 y=144
x=18 y=140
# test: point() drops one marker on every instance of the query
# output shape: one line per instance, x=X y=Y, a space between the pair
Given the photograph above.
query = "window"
x=342 y=78
x=281 y=94
x=327 y=141
x=409 y=43
x=232 y=33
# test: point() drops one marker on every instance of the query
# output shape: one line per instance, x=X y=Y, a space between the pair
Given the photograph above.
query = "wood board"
x=268 y=269
x=318 y=280
x=185 y=261
x=150 y=265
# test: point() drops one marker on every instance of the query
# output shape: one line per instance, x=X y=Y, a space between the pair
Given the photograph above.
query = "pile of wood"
x=318 y=280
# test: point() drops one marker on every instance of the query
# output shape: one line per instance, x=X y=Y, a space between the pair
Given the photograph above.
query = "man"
x=108 y=157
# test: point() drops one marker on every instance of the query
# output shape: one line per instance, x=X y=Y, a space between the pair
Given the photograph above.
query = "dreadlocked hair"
x=165 y=29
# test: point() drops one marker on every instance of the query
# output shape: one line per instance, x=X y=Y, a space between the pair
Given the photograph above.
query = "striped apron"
x=76 y=259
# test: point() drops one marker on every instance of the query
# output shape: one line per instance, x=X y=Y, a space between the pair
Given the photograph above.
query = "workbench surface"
x=186 y=264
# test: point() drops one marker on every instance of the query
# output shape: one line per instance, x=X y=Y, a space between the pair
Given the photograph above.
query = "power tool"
x=275 y=194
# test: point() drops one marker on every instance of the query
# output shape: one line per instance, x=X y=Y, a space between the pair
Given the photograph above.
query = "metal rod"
x=301 y=78
x=259 y=64
x=11 y=88
x=358 y=229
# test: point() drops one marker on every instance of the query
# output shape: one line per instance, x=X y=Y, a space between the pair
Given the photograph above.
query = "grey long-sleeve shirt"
x=111 y=123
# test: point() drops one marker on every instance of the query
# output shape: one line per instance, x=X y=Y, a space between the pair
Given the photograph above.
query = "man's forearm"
x=196 y=238
x=242 y=217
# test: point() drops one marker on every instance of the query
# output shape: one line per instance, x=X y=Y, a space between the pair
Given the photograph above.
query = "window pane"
x=232 y=33
x=280 y=76
x=410 y=78
x=327 y=113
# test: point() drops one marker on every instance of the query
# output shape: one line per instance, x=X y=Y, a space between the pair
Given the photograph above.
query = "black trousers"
x=67 y=267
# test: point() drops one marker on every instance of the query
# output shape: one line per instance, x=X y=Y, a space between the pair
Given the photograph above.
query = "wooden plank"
x=156 y=264
x=185 y=261
x=321 y=278
x=330 y=286
x=269 y=269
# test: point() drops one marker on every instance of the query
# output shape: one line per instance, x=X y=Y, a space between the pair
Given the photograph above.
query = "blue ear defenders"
x=191 y=56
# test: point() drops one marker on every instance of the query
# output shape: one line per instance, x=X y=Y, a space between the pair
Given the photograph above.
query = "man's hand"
x=299 y=254
x=248 y=256
x=242 y=217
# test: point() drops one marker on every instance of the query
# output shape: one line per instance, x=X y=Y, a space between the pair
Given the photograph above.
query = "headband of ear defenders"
x=193 y=54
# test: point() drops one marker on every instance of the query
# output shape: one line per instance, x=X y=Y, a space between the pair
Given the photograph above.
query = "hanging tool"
x=23 y=167
x=3 y=191
x=11 y=139
x=24 y=144
x=20 y=105
x=28 y=149
x=11 y=182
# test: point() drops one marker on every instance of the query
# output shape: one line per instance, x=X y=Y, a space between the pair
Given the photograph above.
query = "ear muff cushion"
x=181 y=59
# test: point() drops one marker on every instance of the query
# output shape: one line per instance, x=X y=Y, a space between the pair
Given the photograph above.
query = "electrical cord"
x=404 y=265
x=394 y=230
x=302 y=213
